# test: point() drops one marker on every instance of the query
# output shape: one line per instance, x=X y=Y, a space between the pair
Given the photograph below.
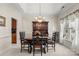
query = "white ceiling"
x=47 y=9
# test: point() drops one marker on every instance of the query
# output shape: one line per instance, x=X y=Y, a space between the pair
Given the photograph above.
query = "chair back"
x=22 y=35
x=36 y=40
x=54 y=36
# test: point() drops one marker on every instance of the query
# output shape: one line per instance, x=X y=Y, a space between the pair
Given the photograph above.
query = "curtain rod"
x=70 y=13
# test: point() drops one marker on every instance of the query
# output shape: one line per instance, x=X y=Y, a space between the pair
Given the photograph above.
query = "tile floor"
x=60 y=51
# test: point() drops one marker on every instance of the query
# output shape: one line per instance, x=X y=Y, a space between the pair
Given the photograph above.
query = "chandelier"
x=39 y=18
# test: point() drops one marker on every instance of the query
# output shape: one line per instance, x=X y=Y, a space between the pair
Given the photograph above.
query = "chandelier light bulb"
x=39 y=18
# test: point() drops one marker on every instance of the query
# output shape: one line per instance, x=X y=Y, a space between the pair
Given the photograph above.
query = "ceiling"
x=45 y=9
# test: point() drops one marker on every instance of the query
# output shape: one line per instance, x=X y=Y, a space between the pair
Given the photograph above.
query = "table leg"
x=47 y=47
x=30 y=48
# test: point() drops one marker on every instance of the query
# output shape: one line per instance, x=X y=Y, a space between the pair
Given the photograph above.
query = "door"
x=14 y=28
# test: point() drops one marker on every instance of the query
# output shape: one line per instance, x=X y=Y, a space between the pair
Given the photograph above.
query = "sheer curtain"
x=61 y=30
x=70 y=29
x=73 y=30
x=76 y=41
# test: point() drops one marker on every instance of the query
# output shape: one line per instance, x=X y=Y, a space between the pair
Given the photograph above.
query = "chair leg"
x=47 y=47
x=41 y=50
x=30 y=48
x=54 y=47
x=44 y=51
x=33 y=51
x=21 y=48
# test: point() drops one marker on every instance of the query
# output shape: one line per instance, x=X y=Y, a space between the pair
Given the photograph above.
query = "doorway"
x=14 y=30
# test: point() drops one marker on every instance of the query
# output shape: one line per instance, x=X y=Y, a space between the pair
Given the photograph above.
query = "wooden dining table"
x=30 y=42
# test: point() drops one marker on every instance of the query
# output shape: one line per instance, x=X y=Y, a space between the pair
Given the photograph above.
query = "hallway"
x=60 y=51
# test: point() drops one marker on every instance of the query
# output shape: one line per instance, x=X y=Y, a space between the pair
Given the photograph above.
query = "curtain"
x=70 y=30
x=76 y=41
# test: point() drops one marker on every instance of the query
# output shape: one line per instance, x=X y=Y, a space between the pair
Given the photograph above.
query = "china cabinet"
x=40 y=28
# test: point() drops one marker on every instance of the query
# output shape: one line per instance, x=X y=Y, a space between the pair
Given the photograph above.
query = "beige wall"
x=52 y=26
x=24 y=23
x=8 y=11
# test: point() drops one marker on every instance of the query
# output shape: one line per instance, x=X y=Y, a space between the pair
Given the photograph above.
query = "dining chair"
x=23 y=41
x=38 y=43
x=52 y=41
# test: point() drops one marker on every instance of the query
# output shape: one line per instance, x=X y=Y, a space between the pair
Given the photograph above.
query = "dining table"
x=30 y=41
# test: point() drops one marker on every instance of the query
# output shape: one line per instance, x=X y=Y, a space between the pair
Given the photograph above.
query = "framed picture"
x=2 y=21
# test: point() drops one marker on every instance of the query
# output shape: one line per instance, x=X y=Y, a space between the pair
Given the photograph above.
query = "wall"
x=53 y=24
x=69 y=8
x=24 y=23
x=8 y=11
